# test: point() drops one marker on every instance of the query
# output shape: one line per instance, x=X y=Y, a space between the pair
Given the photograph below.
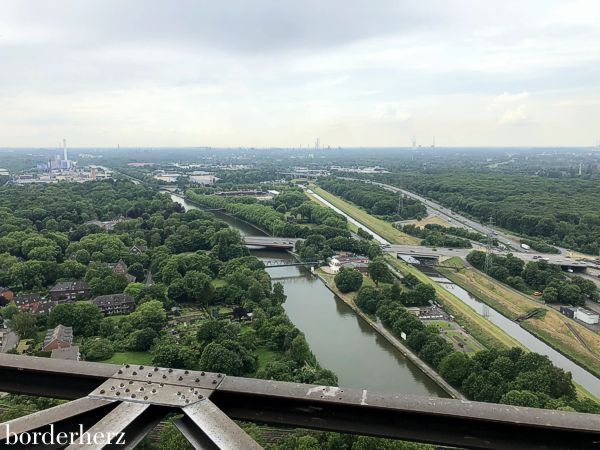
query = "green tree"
x=455 y=367
x=300 y=352
x=198 y=287
x=141 y=340
x=84 y=317
x=348 y=280
x=368 y=299
x=24 y=324
x=550 y=295
x=170 y=355
x=522 y=398
x=217 y=358
x=379 y=271
x=150 y=314
x=97 y=349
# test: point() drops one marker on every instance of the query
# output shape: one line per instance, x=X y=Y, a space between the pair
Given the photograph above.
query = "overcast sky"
x=282 y=73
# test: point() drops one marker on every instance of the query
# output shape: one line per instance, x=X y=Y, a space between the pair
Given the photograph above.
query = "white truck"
x=525 y=246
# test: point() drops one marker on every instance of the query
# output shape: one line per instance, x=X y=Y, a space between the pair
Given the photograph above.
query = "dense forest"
x=559 y=211
x=375 y=200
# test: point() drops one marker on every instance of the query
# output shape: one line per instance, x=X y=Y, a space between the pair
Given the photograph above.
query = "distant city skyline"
x=353 y=73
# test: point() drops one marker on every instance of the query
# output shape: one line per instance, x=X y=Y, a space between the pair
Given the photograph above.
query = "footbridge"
x=268 y=242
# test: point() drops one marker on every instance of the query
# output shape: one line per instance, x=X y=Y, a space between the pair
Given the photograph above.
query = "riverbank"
x=380 y=328
x=335 y=334
x=573 y=340
x=481 y=329
x=370 y=223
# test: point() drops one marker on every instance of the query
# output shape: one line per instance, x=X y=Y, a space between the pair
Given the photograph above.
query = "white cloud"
x=515 y=116
x=507 y=98
x=390 y=113
x=279 y=73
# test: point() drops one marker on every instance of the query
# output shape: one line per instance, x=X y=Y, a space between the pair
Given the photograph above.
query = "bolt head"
x=120 y=371
x=118 y=393
x=127 y=390
x=102 y=391
x=180 y=378
x=134 y=372
x=214 y=382
x=202 y=373
x=156 y=369
x=186 y=372
x=127 y=366
x=197 y=380
x=145 y=397
x=132 y=395
x=141 y=367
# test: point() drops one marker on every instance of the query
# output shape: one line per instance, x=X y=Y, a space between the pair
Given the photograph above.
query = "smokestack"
x=66 y=157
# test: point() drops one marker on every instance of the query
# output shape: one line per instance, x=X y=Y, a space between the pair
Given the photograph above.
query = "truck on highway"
x=525 y=246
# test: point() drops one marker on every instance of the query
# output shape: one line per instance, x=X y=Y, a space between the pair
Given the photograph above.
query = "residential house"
x=120 y=268
x=115 y=304
x=34 y=303
x=7 y=294
x=59 y=337
x=67 y=291
x=67 y=353
x=138 y=249
x=350 y=261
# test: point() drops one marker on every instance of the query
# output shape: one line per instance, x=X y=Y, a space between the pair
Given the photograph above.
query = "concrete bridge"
x=268 y=242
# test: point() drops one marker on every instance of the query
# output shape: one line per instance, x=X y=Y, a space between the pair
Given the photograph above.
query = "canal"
x=341 y=341
x=581 y=376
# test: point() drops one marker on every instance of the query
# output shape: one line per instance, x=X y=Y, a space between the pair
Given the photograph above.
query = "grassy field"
x=433 y=220
x=144 y=358
x=381 y=227
x=482 y=329
x=553 y=328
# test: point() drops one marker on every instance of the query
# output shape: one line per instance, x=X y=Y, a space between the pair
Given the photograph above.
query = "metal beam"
x=427 y=419
x=223 y=432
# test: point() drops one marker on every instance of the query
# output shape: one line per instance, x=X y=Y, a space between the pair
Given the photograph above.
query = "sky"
x=264 y=73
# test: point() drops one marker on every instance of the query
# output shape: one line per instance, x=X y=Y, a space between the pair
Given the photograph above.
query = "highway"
x=456 y=219
x=444 y=252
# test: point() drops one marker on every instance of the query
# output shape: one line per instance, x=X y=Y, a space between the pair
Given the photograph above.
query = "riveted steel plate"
x=180 y=377
x=149 y=392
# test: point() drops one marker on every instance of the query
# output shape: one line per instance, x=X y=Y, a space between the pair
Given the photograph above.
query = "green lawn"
x=143 y=358
x=455 y=261
x=265 y=356
x=381 y=227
